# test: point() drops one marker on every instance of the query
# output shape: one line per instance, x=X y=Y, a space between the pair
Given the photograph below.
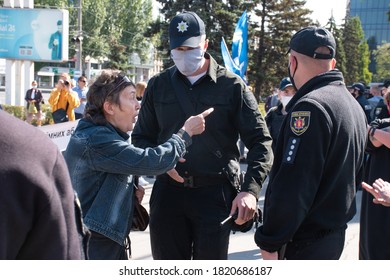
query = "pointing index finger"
x=207 y=112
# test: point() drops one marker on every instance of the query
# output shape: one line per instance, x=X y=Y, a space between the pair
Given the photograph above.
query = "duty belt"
x=195 y=181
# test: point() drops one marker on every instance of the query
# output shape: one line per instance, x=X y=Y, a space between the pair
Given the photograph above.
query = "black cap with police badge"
x=186 y=29
x=308 y=39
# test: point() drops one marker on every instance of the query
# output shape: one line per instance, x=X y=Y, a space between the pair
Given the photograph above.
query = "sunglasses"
x=84 y=81
x=119 y=81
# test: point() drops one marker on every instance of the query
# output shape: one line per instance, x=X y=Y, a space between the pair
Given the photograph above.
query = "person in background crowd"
x=275 y=115
x=63 y=97
x=39 y=216
x=310 y=196
x=272 y=100
x=81 y=89
x=185 y=215
x=374 y=243
x=358 y=91
x=381 y=110
x=140 y=88
x=100 y=161
x=34 y=98
x=375 y=99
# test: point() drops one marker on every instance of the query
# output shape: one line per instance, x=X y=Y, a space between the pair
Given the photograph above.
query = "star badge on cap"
x=182 y=26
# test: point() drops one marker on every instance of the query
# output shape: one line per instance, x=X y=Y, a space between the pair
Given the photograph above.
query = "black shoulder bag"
x=232 y=168
x=61 y=115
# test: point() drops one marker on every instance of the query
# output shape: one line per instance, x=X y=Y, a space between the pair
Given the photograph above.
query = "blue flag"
x=238 y=61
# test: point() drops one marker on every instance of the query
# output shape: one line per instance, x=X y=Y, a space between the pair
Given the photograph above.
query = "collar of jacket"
x=316 y=83
x=85 y=122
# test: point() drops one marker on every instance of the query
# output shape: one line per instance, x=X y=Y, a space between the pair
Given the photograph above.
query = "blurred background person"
x=358 y=91
x=376 y=94
x=381 y=110
x=275 y=115
x=140 y=88
x=81 y=89
x=62 y=96
x=34 y=99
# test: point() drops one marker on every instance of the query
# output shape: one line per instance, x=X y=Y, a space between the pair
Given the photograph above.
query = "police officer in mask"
x=275 y=115
x=186 y=214
x=319 y=156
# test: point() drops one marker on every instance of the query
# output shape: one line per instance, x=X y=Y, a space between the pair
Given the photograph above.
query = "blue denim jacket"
x=100 y=161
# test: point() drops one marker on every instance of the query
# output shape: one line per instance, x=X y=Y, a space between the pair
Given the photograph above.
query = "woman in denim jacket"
x=100 y=161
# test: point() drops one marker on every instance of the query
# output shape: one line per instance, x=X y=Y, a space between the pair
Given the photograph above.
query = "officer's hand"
x=174 y=175
x=246 y=204
x=196 y=124
x=269 y=256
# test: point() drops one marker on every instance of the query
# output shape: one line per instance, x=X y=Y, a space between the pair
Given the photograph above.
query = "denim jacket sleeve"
x=109 y=152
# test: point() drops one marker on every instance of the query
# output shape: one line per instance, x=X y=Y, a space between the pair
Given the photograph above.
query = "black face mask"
x=292 y=76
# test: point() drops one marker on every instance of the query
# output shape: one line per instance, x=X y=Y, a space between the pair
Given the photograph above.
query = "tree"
x=356 y=50
x=107 y=29
x=277 y=21
x=382 y=58
x=340 y=52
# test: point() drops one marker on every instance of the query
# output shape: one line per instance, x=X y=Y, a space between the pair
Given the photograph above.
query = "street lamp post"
x=79 y=41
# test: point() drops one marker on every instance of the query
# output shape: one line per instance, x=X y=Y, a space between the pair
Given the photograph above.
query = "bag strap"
x=189 y=110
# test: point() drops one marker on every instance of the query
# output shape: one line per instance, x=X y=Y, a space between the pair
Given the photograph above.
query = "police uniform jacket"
x=318 y=159
x=235 y=113
x=274 y=120
x=362 y=100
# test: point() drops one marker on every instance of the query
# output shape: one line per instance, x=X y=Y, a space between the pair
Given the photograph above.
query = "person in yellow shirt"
x=62 y=95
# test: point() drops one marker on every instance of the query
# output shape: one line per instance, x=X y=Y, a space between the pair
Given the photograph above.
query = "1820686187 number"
x=227 y=270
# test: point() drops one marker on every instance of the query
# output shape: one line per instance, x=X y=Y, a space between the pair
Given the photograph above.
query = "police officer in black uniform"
x=185 y=216
x=311 y=193
x=358 y=91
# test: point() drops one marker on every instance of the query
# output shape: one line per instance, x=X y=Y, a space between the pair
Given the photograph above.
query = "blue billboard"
x=34 y=34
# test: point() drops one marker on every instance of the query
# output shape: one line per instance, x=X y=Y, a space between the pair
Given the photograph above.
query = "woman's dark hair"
x=106 y=87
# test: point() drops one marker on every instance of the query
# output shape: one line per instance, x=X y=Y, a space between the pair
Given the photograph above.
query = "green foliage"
x=356 y=50
x=20 y=113
x=382 y=58
x=108 y=26
x=274 y=24
x=340 y=52
x=364 y=74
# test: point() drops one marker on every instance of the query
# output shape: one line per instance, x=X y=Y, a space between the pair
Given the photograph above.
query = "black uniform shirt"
x=319 y=155
x=235 y=113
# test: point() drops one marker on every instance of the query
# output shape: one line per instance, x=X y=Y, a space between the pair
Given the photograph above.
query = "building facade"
x=375 y=22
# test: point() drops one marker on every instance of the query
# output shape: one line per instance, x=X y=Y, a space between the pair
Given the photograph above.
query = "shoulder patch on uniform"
x=299 y=122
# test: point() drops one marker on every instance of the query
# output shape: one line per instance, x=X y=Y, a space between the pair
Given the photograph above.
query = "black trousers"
x=185 y=222
x=327 y=247
x=101 y=247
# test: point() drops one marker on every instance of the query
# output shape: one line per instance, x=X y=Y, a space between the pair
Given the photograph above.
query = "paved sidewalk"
x=242 y=245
